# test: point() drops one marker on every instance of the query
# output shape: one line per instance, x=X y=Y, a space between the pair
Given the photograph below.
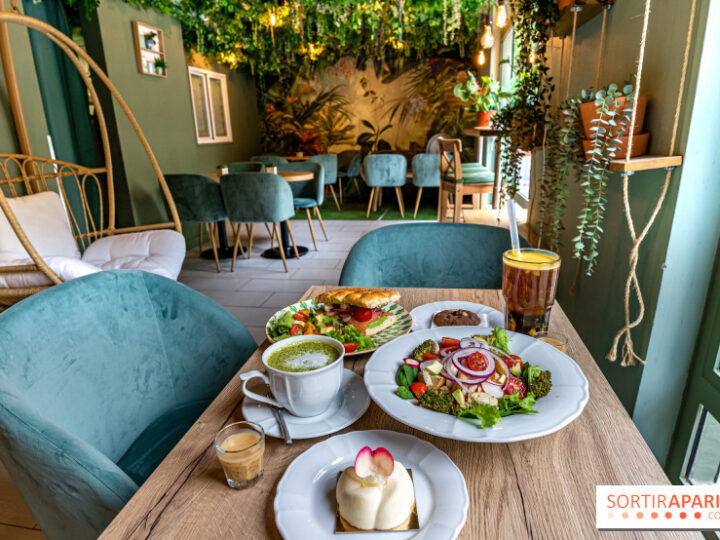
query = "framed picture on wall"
x=149 y=49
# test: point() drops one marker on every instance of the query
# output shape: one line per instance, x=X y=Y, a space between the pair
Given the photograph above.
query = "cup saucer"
x=350 y=404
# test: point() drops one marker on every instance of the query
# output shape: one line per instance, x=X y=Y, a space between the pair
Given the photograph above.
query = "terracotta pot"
x=639 y=146
x=588 y=113
x=562 y=4
x=484 y=118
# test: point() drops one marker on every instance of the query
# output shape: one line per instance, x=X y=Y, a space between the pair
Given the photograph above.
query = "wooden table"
x=542 y=488
x=295 y=158
x=480 y=134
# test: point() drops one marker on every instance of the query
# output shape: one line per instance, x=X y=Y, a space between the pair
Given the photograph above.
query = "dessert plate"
x=564 y=403
x=305 y=501
x=350 y=404
x=422 y=315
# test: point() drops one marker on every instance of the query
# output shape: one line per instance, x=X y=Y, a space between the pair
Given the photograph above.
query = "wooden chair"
x=459 y=179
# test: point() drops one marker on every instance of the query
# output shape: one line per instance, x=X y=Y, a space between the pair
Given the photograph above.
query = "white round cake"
x=383 y=505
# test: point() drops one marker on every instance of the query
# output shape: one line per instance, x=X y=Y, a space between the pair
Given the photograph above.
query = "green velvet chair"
x=349 y=165
x=459 y=179
x=198 y=200
x=258 y=198
x=100 y=377
x=425 y=173
x=384 y=170
x=444 y=255
x=330 y=170
x=245 y=166
x=270 y=161
x=309 y=194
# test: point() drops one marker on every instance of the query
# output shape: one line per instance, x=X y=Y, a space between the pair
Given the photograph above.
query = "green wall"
x=163 y=108
x=596 y=309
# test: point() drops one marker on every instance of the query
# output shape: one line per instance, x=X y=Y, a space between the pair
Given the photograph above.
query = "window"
x=210 y=106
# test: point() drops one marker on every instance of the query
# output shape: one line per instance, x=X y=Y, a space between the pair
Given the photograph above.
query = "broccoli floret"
x=540 y=385
x=428 y=346
x=437 y=401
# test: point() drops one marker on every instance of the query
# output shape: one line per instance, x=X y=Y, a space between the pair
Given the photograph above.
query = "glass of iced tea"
x=240 y=448
x=529 y=282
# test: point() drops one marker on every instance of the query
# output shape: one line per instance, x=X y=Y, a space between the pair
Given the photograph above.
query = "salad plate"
x=350 y=404
x=565 y=401
x=280 y=323
x=305 y=500
x=422 y=315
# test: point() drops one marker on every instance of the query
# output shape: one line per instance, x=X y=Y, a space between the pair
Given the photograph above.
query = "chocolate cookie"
x=456 y=317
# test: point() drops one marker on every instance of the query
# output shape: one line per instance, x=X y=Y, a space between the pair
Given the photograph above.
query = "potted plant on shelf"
x=484 y=99
x=150 y=40
x=160 y=66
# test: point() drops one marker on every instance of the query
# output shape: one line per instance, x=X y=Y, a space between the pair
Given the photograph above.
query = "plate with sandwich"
x=362 y=319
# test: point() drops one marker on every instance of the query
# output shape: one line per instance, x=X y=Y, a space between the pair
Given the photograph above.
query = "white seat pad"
x=160 y=252
x=66 y=268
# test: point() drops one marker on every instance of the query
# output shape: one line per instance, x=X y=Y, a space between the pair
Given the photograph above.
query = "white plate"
x=305 y=501
x=562 y=405
x=351 y=403
x=401 y=327
x=422 y=315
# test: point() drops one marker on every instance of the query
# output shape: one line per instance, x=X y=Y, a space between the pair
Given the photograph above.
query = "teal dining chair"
x=309 y=194
x=425 y=173
x=384 y=170
x=330 y=171
x=198 y=200
x=125 y=364
x=258 y=198
x=245 y=166
x=349 y=164
x=444 y=255
x=270 y=161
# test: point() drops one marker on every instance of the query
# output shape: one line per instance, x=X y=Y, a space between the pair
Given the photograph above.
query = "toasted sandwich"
x=360 y=308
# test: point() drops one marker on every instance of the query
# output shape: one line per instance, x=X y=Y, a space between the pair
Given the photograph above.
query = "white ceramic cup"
x=303 y=393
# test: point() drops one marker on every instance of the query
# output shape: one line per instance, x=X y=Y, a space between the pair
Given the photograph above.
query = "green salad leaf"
x=404 y=392
x=406 y=375
x=350 y=334
x=488 y=415
x=512 y=404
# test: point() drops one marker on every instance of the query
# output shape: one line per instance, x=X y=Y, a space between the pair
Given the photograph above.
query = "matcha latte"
x=307 y=355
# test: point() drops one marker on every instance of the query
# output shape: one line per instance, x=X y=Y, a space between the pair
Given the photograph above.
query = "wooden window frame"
x=206 y=76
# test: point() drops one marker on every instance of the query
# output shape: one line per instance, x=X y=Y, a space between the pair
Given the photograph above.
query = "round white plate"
x=422 y=315
x=562 y=405
x=401 y=327
x=351 y=403
x=305 y=501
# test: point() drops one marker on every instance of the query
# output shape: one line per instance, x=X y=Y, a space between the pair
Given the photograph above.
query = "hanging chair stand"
x=25 y=174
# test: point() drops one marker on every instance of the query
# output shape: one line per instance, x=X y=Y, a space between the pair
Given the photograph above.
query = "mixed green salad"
x=472 y=378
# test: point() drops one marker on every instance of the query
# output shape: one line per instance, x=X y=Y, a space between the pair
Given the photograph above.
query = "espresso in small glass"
x=529 y=282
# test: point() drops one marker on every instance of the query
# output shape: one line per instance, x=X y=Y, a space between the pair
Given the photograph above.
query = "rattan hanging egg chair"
x=85 y=194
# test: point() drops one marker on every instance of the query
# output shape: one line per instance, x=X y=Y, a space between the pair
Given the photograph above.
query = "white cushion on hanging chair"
x=160 y=252
x=43 y=218
x=66 y=268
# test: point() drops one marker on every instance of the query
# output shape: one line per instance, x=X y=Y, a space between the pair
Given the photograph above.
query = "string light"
x=502 y=17
x=532 y=58
x=481 y=58
x=487 y=40
x=273 y=20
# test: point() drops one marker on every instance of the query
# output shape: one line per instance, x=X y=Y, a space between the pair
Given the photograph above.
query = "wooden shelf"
x=564 y=25
x=645 y=163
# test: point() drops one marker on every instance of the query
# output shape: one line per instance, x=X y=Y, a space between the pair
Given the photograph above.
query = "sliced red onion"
x=446 y=351
x=469 y=342
x=493 y=389
x=484 y=374
x=507 y=375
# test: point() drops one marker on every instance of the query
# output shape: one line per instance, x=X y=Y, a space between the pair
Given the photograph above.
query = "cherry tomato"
x=301 y=317
x=447 y=350
x=430 y=356
x=418 y=389
x=351 y=347
x=296 y=329
x=362 y=314
x=516 y=385
x=309 y=329
x=477 y=361
x=513 y=360
x=450 y=342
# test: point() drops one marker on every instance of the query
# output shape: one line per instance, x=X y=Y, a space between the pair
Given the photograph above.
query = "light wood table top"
x=290 y=176
x=542 y=488
x=295 y=158
x=481 y=132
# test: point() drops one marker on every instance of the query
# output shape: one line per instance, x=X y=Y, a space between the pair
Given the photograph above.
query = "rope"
x=601 y=48
x=572 y=49
x=628 y=352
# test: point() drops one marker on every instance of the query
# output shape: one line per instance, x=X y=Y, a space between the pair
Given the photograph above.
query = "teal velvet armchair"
x=309 y=194
x=330 y=171
x=384 y=170
x=446 y=255
x=245 y=166
x=349 y=163
x=425 y=173
x=198 y=199
x=99 y=378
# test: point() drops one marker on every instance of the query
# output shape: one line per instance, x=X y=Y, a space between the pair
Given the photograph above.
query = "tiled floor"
x=259 y=287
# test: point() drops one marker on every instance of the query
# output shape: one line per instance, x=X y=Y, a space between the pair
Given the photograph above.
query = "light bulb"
x=481 y=58
x=487 y=40
x=273 y=20
x=501 y=19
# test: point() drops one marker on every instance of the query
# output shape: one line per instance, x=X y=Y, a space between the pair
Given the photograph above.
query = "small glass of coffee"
x=529 y=282
x=556 y=340
x=240 y=448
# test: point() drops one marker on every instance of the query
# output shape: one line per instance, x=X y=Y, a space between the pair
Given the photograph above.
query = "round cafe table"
x=274 y=253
